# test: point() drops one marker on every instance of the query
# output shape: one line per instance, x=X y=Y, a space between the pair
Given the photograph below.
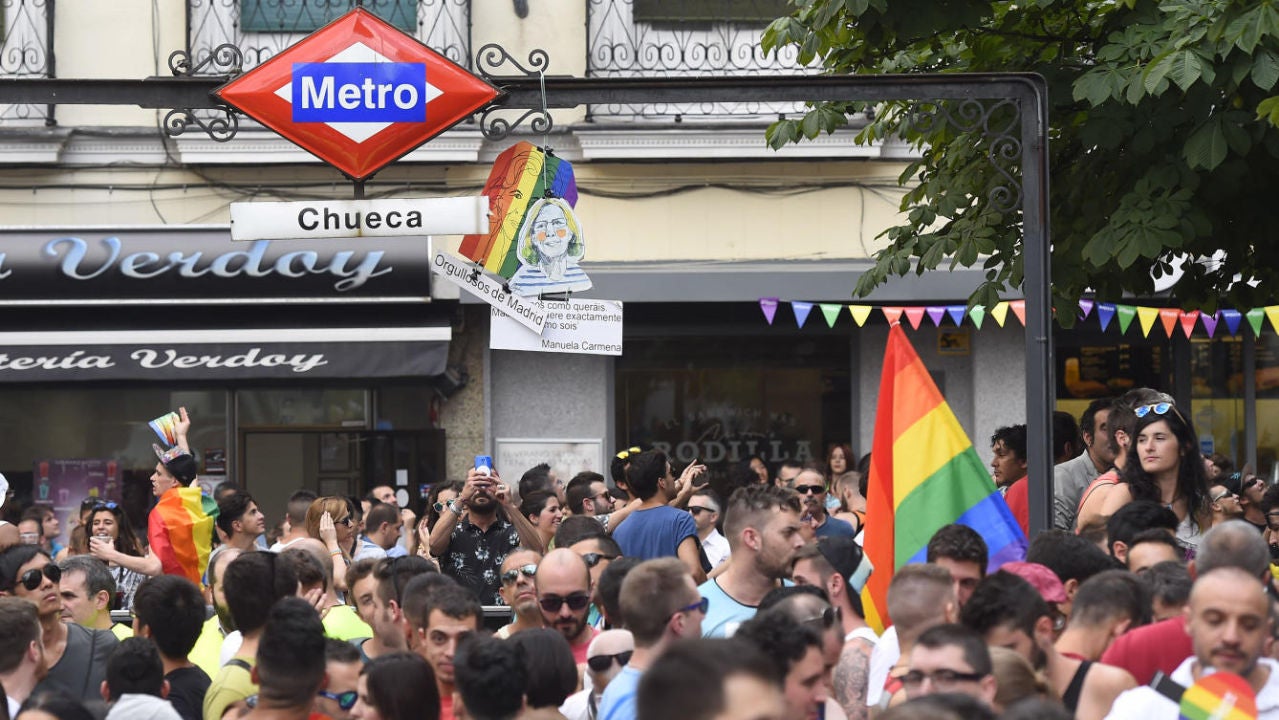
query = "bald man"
x=564 y=594
x=1228 y=624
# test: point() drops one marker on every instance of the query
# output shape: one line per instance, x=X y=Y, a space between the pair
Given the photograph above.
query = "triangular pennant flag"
x=1148 y=315
x=1272 y=312
x=936 y=313
x=1210 y=322
x=1126 y=314
x=860 y=313
x=1000 y=313
x=1232 y=318
x=1105 y=313
x=1188 y=320
x=956 y=313
x=831 y=312
x=1019 y=309
x=769 y=306
x=978 y=314
x=1085 y=308
x=801 y=310
x=1255 y=317
x=892 y=314
x=909 y=499
x=1169 y=317
x=915 y=314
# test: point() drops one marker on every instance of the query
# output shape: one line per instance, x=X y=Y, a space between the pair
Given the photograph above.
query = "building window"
x=708 y=11
x=308 y=16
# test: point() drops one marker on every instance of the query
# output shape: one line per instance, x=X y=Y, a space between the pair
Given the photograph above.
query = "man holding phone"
x=471 y=549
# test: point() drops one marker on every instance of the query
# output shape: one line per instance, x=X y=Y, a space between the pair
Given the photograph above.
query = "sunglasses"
x=806 y=489
x=31 y=579
x=702 y=605
x=347 y=521
x=1221 y=497
x=600 y=663
x=1160 y=408
x=699 y=510
x=593 y=559
x=576 y=602
x=105 y=506
x=510 y=576
x=345 y=700
x=941 y=678
x=827 y=620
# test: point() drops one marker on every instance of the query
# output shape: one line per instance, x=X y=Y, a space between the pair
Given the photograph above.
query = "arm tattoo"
x=851 y=678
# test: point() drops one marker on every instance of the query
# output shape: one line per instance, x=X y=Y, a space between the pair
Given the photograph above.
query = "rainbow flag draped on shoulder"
x=180 y=530
x=924 y=473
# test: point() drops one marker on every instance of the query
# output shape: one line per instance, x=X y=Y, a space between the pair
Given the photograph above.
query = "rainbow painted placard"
x=166 y=427
x=925 y=471
x=521 y=175
x=1220 y=696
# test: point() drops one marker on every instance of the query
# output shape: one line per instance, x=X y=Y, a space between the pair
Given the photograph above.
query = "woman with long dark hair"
x=399 y=686
x=1164 y=464
x=112 y=540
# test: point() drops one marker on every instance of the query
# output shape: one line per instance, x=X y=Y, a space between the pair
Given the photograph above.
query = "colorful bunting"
x=1188 y=320
x=936 y=313
x=1255 y=317
x=769 y=306
x=1147 y=315
x=1000 y=313
x=915 y=315
x=1105 y=313
x=1085 y=308
x=831 y=312
x=1019 y=309
x=1210 y=322
x=860 y=313
x=801 y=310
x=956 y=313
x=978 y=314
x=1272 y=312
x=1169 y=317
x=1232 y=318
x=1126 y=313
x=892 y=314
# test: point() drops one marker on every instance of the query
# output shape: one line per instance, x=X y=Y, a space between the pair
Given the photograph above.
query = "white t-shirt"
x=716 y=547
x=1147 y=703
x=882 y=659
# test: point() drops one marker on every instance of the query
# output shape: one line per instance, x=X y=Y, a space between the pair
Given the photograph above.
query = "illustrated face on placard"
x=551 y=234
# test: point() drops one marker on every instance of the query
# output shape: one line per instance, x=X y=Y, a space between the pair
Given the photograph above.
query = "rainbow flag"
x=923 y=470
x=521 y=175
x=180 y=530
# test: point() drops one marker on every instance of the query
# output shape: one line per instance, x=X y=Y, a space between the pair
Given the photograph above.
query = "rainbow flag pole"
x=925 y=471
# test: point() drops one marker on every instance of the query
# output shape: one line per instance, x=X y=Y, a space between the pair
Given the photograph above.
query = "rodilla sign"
x=358 y=93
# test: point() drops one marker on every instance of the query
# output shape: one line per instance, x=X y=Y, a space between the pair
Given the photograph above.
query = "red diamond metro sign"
x=358 y=93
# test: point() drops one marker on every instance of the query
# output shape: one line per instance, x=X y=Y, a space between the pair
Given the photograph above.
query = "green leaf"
x=1187 y=67
x=1206 y=147
x=1268 y=110
x=1265 y=69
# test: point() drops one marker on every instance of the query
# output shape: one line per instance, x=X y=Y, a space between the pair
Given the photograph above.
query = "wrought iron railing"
x=444 y=25
x=26 y=51
x=686 y=38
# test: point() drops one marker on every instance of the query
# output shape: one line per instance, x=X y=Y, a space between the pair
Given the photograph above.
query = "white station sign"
x=359 y=218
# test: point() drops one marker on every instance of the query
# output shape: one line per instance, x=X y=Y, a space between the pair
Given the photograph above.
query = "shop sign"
x=358 y=93
x=590 y=327
x=359 y=218
x=199 y=265
x=527 y=312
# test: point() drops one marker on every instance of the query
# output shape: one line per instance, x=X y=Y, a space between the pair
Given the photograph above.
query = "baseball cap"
x=1041 y=577
x=848 y=559
x=177 y=461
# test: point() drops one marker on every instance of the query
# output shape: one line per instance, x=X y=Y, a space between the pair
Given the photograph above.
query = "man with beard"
x=763 y=529
x=811 y=486
x=21 y=651
x=1008 y=612
x=76 y=656
x=1229 y=623
x=240 y=520
x=519 y=591
x=207 y=653
x=471 y=549
x=564 y=594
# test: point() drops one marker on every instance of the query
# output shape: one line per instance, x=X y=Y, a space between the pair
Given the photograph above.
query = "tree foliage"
x=1163 y=142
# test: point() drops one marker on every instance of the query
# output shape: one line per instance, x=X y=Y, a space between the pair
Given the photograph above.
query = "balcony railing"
x=263 y=28
x=26 y=52
x=686 y=38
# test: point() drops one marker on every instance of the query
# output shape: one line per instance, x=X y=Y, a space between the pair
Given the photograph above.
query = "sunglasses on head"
x=593 y=559
x=1160 y=408
x=576 y=601
x=345 y=700
x=806 y=489
x=31 y=579
x=827 y=620
x=510 y=576
x=600 y=663
x=105 y=506
x=627 y=453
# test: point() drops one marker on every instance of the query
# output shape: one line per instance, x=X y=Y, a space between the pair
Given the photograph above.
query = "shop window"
x=296 y=16
x=303 y=407
x=722 y=402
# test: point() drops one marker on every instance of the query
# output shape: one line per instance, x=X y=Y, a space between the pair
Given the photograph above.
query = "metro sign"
x=358 y=93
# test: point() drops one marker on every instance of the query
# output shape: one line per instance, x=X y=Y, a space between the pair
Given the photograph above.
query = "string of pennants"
x=1107 y=314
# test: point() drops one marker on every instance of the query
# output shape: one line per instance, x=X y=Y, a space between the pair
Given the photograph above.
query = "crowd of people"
x=652 y=595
